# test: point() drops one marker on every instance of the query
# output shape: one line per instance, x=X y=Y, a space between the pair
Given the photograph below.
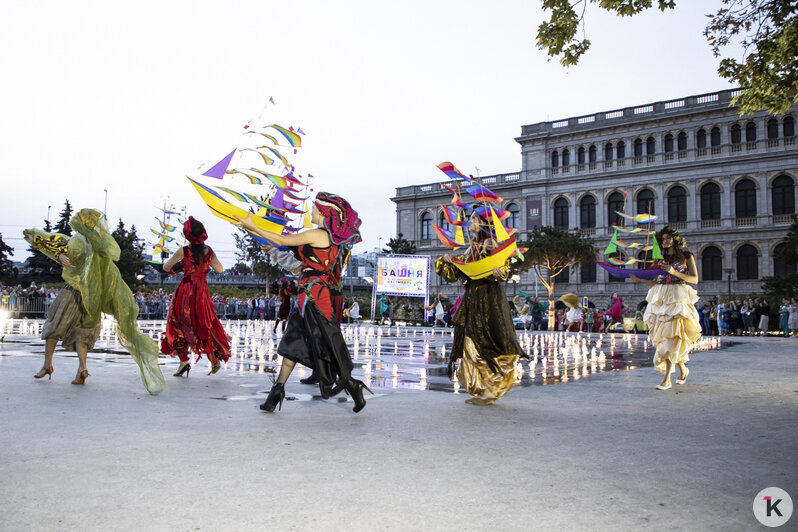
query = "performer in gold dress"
x=484 y=335
x=94 y=287
x=671 y=316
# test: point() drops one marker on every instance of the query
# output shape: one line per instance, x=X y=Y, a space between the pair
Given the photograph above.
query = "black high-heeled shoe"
x=183 y=369
x=355 y=388
x=276 y=396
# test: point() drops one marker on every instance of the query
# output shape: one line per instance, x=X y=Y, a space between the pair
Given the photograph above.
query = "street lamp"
x=729 y=272
x=105 y=209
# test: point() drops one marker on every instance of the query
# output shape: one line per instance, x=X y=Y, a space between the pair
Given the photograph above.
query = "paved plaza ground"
x=604 y=452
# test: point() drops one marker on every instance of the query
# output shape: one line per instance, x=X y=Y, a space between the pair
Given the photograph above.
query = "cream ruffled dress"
x=672 y=319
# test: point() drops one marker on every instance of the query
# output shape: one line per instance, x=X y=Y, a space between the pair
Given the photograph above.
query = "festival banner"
x=402 y=275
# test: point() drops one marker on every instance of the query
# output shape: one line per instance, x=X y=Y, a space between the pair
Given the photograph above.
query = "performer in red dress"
x=285 y=290
x=192 y=322
x=313 y=335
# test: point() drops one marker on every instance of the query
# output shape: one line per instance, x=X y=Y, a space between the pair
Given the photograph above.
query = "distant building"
x=727 y=183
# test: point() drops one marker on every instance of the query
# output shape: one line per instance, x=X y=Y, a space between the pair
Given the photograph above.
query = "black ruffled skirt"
x=318 y=344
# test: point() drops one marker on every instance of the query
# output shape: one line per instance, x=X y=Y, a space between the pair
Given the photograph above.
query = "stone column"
x=693 y=206
x=727 y=212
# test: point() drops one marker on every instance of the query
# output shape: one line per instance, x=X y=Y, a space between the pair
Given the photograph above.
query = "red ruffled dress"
x=192 y=322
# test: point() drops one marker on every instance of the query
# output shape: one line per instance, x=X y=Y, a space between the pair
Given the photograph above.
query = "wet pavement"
x=600 y=449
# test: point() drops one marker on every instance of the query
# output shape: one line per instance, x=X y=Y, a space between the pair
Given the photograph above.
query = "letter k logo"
x=772 y=506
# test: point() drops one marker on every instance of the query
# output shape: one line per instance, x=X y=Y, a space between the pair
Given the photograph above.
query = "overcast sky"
x=131 y=97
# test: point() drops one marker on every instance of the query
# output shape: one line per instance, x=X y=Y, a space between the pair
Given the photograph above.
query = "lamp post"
x=105 y=209
x=48 y=214
x=729 y=272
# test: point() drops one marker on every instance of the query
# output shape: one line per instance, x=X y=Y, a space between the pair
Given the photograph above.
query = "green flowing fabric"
x=92 y=252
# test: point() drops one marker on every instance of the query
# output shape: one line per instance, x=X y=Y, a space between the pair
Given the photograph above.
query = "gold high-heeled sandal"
x=43 y=372
x=81 y=377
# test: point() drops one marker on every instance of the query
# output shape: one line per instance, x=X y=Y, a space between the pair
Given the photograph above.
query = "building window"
x=711 y=264
x=514 y=211
x=750 y=132
x=580 y=155
x=566 y=158
x=651 y=146
x=710 y=202
x=615 y=205
x=563 y=277
x=555 y=159
x=587 y=212
x=426 y=226
x=779 y=264
x=638 y=148
x=682 y=141
x=783 y=195
x=561 y=213
x=773 y=128
x=745 y=199
x=714 y=136
x=442 y=223
x=592 y=154
x=747 y=263
x=701 y=139
x=645 y=201
x=608 y=151
x=789 y=126
x=677 y=204
x=736 y=134
x=668 y=143
x=621 y=150
x=589 y=272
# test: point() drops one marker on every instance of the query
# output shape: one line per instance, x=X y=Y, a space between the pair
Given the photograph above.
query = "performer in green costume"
x=96 y=286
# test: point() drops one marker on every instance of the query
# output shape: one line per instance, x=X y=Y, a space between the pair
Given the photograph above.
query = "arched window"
x=747 y=263
x=426 y=226
x=711 y=264
x=638 y=148
x=736 y=134
x=701 y=139
x=789 y=126
x=651 y=146
x=587 y=212
x=710 y=202
x=668 y=143
x=745 y=199
x=783 y=195
x=589 y=272
x=677 y=204
x=561 y=213
x=614 y=206
x=442 y=223
x=714 y=136
x=682 y=141
x=750 y=132
x=514 y=218
x=645 y=201
x=773 y=128
x=555 y=159
x=580 y=155
x=608 y=151
x=779 y=264
x=592 y=154
x=621 y=150
x=566 y=157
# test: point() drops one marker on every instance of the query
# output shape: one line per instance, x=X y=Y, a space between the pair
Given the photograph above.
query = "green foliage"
x=766 y=29
x=552 y=250
x=789 y=254
x=6 y=266
x=62 y=225
x=400 y=246
x=251 y=255
x=783 y=285
x=131 y=260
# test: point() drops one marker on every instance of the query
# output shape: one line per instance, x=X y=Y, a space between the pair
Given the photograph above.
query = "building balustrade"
x=782 y=219
x=745 y=222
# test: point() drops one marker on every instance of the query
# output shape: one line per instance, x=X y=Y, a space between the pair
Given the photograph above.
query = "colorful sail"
x=220 y=168
x=482 y=194
x=452 y=172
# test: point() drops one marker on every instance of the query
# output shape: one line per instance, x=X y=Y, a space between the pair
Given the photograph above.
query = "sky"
x=132 y=97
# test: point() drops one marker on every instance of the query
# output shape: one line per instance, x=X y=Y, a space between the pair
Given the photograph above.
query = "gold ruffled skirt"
x=480 y=380
x=673 y=324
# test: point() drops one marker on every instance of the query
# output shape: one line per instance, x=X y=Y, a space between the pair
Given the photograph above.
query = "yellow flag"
x=458 y=233
x=306 y=223
x=501 y=232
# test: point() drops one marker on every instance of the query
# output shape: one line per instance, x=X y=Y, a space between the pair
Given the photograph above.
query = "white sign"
x=402 y=275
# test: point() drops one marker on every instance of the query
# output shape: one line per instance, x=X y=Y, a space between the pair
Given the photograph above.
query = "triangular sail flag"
x=480 y=193
x=656 y=252
x=458 y=233
x=306 y=223
x=446 y=237
x=452 y=172
x=501 y=232
x=612 y=248
x=218 y=170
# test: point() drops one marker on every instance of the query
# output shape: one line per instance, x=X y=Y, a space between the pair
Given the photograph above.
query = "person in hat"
x=191 y=322
x=574 y=316
x=671 y=315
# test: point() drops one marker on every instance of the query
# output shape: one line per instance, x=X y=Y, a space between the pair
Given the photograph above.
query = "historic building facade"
x=727 y=183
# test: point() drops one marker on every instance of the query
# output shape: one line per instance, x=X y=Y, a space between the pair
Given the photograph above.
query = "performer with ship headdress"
x=192 y=321
x=313 y=336
x=671 y=315
x=94 y=286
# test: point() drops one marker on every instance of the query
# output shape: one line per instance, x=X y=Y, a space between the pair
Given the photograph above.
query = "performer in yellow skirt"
x=484 y=336
x=671 y=316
